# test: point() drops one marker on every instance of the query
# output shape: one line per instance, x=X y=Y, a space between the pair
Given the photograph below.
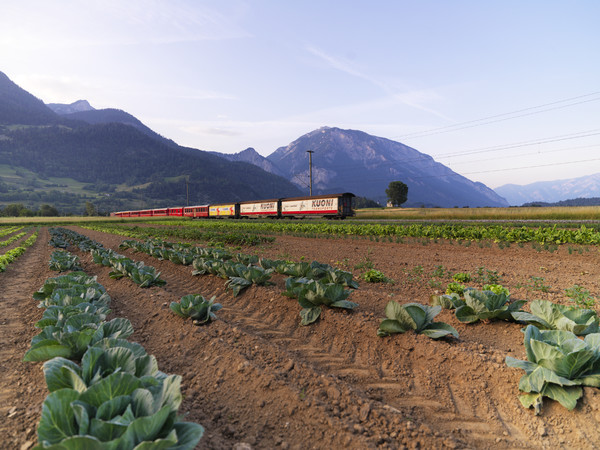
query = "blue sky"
x=227 y=75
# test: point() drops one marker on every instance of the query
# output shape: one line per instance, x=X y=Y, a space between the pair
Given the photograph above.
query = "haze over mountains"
x=551 y=191
x=66 y=155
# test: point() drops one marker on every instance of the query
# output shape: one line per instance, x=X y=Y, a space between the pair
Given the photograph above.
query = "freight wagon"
x=330 y=206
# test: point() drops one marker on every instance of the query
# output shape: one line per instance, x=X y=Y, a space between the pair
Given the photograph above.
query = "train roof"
x=269 y=200
x=345 y=194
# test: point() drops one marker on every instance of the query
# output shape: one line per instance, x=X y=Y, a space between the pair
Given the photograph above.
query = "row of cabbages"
x=558 y=361
x=314 y=284
x=105 y=391
x=138 y=272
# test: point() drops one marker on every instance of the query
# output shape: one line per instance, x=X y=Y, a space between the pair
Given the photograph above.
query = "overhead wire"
x=493 y=119
x=499 y=117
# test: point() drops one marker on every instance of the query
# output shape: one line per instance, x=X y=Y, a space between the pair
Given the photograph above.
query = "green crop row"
x=13 y=254
x=313 y=284
x=138 y=272
x=12 y=239
x=187 y=233
x=469 y=232
x=105 y=392
x=5 y=231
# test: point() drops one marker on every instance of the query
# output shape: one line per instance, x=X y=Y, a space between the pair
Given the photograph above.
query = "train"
x=329 y=206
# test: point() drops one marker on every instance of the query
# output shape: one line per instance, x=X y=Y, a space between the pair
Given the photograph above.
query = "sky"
x=500 y=91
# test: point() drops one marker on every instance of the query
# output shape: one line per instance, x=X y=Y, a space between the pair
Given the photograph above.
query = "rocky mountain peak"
x=77 y=106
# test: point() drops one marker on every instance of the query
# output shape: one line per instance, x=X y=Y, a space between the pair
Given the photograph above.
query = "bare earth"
x=255 y=378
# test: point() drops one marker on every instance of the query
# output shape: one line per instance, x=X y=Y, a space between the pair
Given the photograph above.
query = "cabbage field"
x=223 y=334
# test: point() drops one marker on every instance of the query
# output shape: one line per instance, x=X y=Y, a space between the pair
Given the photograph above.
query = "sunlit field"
x=516 y=213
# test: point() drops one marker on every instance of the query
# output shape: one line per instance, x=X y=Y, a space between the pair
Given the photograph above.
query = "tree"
x=48 y=211
x=90 y=209
x=397 y=193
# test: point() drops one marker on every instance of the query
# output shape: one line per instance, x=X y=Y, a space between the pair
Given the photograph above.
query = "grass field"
x=575 y=213
x=516 y=213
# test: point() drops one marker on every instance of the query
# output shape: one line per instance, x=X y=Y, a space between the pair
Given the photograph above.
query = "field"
x=256 y=378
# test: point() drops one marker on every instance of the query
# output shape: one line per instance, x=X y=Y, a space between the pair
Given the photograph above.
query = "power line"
x=422 y=156
x=540 y=153
x=535 y=166
x=562 y=137
x=463 y=175
x=500 y=117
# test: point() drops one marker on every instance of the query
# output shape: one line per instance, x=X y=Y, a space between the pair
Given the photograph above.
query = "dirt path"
x=255 y=376
x=22 y=385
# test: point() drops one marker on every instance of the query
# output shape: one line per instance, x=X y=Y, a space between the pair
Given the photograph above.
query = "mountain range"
x=551 y=191
x=110 y=158
x=69 y=154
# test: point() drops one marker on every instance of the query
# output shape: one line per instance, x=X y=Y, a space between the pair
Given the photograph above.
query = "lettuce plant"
x=456 y=288
x=486 y=305
x=196 y=307
x=375 y=276
x=558 y=364
x=550 y=316
x=414 y=316
x=496 y=289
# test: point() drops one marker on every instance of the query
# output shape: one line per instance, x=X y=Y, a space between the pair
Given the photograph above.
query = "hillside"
x=350 y=160
x=18 y=106
x=83 y=111
x=551 y=191
x=107 y=159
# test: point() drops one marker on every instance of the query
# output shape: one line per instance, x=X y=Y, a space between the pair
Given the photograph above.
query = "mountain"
x=108 y=115
x=551 y=191
x=253 y=157
x=78 y=106
x=354 y=161
x=18 y=106
x=111 y=159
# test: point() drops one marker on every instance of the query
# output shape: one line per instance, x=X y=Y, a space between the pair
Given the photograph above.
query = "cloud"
x=395 y=89
x=75 y=24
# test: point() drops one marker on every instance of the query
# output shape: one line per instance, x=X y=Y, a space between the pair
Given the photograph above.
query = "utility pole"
x=310 y=152
x=187 y=191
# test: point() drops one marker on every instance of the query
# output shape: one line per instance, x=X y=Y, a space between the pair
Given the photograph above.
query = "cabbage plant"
x=99 y=361
x=558 y=364
x=196 y=307
x=546 y=315
x=57 y=315
x=486 y=305
x=414 y=316
x=447 y=301
x=247 y=276
x=62 y=261
x=120 y=411
x=312 y=295
x=67 y=281
x=76 y=334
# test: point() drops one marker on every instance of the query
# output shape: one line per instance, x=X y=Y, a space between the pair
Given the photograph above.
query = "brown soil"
x=256 y=377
